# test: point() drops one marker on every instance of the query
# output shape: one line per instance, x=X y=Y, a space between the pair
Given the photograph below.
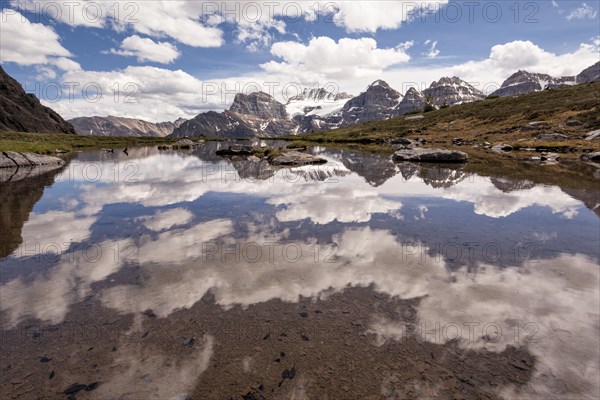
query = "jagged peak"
x=312 y=94
x=413 y=91
x=379 y=82
x=254 y=95
x=319 y=94
x=446 y=81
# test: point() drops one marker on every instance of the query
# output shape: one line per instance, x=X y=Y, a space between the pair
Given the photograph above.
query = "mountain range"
x=120 y=126
x=258 y=114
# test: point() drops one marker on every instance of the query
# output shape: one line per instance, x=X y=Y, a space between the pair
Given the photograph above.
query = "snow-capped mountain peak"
x=317 y=102
x=450 y=91
x=522 y=82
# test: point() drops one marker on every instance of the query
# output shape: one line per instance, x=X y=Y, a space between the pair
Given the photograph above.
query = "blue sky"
x=173 y=48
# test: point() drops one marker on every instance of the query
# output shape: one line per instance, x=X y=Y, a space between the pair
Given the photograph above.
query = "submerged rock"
x=295 y=158
x=430 y=155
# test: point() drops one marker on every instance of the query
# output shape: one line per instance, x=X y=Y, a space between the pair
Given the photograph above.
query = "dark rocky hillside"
x=23 y=112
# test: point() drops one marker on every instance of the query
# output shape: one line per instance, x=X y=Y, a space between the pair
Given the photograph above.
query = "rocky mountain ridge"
x=451 y=91
x=255 y=114
x=120 y=126
x=259 y=114
x=522 y=82
x=23 y=112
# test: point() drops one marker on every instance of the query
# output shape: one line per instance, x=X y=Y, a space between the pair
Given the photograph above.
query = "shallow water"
x=181 y=274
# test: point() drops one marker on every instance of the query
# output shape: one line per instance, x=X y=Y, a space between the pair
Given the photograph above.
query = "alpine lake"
x=178 y=274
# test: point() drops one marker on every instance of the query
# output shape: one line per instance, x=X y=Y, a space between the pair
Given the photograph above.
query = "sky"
x=161 y=60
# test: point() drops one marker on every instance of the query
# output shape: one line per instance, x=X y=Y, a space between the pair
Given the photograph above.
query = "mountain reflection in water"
x=169 y=274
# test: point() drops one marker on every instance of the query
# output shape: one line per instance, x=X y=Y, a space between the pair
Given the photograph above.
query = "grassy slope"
x=493 y=120
x=48 y=142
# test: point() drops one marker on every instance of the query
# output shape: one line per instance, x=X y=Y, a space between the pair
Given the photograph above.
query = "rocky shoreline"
x=11 y=159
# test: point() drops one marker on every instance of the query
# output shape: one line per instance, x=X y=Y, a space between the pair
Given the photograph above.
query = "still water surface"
x=183 y=275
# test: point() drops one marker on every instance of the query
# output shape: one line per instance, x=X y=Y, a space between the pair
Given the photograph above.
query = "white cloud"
x=325 y=58
x=146 y=49
x=27 y=43
x=150 y=93
x=582 y=12
x=256 y=36
x=72 y=13
x=197 y=23
x=369 y=16
x=406 y=45
x=65 y=64
x=432 y=52
x=178 y=20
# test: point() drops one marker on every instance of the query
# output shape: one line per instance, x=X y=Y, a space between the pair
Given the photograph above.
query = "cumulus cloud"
x=582 y=12
x=27 y=43
x=369 y=16
x=197 y=23
x=145 y=92
x=178 y=20
x=146 y=49
x=324 y=57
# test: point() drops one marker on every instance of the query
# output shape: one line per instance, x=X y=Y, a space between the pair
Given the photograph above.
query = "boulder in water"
x=430 y=156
